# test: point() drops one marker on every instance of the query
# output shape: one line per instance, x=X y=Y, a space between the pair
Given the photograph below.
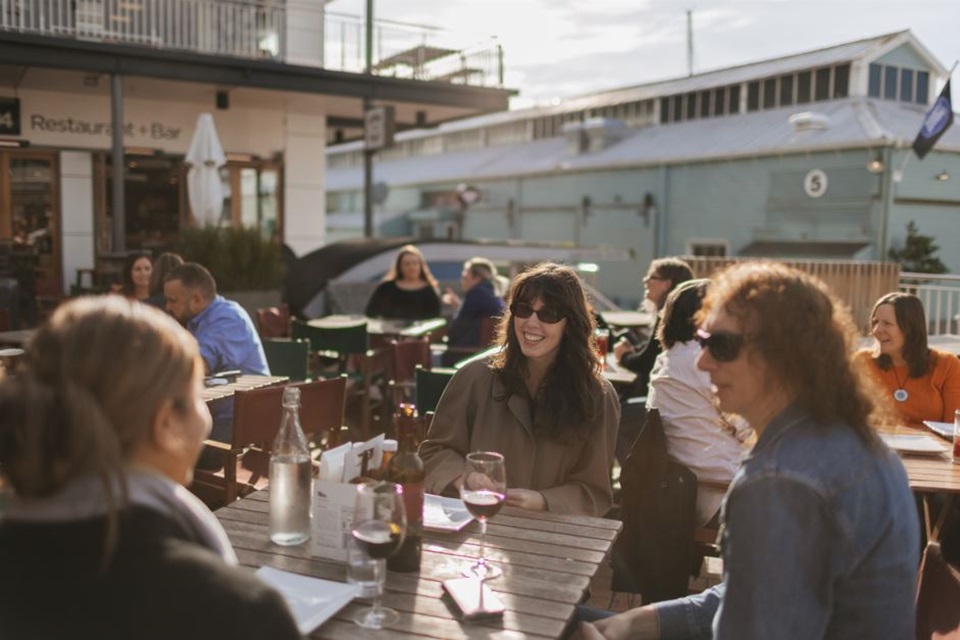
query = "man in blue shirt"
x=223 y=329
x=482 y=299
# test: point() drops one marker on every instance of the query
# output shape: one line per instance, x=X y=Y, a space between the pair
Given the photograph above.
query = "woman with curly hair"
x=541 y=401
x=819 y=534
x=408 y=291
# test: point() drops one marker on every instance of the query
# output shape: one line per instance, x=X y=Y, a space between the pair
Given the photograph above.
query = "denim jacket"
x=820 y=539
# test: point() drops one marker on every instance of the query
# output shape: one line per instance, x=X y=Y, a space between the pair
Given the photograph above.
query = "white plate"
x=312 y=601
x=444 y=514
x=944 y=429
x=913 y=444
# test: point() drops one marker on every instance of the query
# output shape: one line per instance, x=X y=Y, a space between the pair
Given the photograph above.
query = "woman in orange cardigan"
x=923 y=382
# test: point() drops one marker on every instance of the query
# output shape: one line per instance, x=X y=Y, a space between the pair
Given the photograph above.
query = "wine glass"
x=379 y=525
x=483 y=492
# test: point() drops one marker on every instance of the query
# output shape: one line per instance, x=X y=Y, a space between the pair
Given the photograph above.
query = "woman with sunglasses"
x=541 y=401
x=698 y=435
x=924 y=383
x=819 y=533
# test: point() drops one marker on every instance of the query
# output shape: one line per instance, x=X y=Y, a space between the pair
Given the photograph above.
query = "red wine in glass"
x=483 y=504
x=379 y=539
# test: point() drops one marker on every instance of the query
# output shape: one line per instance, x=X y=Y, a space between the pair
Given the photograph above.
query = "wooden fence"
x=857 y=283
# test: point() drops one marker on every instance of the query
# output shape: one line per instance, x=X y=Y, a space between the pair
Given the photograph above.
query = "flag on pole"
x=938 y=119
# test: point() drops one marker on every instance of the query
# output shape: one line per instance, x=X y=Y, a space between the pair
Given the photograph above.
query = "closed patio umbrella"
x=205 y=157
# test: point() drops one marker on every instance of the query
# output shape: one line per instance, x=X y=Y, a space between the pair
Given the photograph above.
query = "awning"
x=802 y=249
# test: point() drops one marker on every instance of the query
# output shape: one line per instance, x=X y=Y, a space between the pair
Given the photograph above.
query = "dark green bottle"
x=406 y=469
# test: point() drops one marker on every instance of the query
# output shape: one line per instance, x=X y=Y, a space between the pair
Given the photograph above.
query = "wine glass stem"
x=482 y=561
x=380 y=571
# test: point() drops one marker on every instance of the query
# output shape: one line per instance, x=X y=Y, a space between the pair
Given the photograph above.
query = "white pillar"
x=304 y=192
x=76 y=214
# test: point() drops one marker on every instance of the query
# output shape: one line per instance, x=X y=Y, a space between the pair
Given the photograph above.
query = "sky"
x=561 y=48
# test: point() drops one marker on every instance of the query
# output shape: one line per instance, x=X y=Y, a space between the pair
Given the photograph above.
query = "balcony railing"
x=249 y=29
x=225 y=28
x=940 y=295
x=404 y=50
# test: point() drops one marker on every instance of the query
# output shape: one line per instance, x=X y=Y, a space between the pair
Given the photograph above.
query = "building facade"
x=804 y=156
x=280 y=80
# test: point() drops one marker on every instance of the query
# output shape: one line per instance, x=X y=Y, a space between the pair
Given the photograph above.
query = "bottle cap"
x=291 y=396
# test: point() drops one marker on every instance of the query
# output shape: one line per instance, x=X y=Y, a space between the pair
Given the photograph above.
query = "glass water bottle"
x=290 y=477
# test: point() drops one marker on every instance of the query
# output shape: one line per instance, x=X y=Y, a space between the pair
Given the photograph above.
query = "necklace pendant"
x=901 y=395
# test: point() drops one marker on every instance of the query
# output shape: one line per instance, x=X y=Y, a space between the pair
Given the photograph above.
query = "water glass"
x=361 y=569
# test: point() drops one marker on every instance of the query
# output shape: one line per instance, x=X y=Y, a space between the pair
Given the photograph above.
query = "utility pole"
x=689 y=42
x=368 y=153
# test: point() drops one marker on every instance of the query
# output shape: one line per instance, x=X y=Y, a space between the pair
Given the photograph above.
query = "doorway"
x=30 y=219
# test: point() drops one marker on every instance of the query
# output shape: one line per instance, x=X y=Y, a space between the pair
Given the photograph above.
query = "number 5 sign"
x=10 y=116
x=815 y=183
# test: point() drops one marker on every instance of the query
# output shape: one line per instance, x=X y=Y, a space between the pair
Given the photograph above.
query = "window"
x=664 y=110
x=803 y=87
x=841 y=81
x=786 y=91
x=822 y=91
x=734 y=103
x=906 y=85
x=923 y=86
x=753 y=96
x=890 y=83
x=719 y=101
x=873 y=89
x=704 y=104
x=707 y=248
x=691 y=99
x=770 y=93
x=677 y=109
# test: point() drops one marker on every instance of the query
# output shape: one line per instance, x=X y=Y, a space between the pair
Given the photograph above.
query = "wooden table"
x=547 y=561
x=379 y=326
x=242 y=383
x=930 y=475
x=618 y=375
x=16 y=338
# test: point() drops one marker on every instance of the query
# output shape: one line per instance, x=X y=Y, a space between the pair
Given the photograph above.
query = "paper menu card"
x=312 y=601
x=444 y=514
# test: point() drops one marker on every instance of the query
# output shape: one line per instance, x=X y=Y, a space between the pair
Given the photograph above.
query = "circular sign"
x=815 y=183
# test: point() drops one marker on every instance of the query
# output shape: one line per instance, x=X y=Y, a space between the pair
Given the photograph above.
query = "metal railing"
x=224 y=27
x=940 y=295
x=248 y=29
x=404 y=50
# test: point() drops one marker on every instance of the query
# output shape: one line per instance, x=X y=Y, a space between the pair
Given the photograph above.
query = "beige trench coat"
x=573 y=477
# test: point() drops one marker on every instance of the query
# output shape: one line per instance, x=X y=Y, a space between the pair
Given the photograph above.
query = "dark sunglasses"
x=723 y=347
x=547 y=315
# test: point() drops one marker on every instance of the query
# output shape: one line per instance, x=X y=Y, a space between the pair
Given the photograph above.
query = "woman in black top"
x=408 y=291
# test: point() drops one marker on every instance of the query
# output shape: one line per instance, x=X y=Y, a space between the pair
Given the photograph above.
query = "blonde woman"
x=99 y=432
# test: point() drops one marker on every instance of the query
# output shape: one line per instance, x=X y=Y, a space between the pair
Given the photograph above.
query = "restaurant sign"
x=79 y=126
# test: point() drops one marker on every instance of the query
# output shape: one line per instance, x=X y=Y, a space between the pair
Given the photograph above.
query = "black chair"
x=288 y=358
x=430 y=386
x=658 y=506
